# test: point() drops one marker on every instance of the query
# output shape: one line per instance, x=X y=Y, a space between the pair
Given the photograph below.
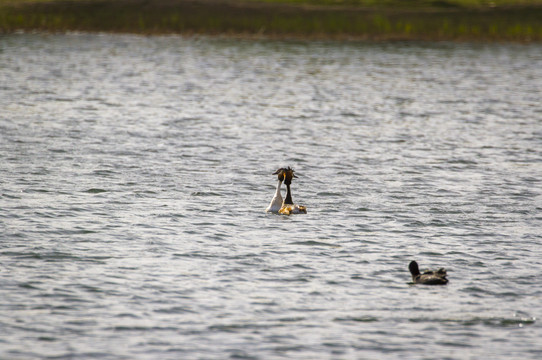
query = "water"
x=135 y=172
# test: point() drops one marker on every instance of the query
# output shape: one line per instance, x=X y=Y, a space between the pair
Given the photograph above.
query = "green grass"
x=415 y=4
x=350 y=3
x=346 y=19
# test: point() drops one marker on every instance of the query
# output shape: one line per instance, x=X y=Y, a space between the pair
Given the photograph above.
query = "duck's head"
x=288 y=175
x=413 y=267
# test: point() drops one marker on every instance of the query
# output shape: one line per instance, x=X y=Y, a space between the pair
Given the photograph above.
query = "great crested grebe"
x=276 y=202
x=437 y=277
x=288 y=206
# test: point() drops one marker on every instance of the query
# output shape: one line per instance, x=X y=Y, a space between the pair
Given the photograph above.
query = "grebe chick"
x=288 y=206
x=437 y=277
x=276 y=202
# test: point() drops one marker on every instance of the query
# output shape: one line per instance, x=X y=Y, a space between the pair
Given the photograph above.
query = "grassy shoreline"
x=313 y=19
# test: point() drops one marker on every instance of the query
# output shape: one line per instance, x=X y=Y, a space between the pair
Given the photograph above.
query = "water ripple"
x=136 y=171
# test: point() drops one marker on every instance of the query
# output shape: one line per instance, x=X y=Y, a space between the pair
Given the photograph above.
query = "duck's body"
x=437 y=277
x=276 y=203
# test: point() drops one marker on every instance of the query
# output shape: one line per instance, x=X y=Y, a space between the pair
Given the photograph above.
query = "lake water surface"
x=134 y=174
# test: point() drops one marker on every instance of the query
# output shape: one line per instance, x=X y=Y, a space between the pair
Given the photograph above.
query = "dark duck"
x=428 y=277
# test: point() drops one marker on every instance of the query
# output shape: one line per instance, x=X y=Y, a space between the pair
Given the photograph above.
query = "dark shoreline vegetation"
x=312 y=19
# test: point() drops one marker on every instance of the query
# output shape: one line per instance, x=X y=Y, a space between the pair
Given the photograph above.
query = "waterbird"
x=276 y=203
x=429 y=277
x=288 y=206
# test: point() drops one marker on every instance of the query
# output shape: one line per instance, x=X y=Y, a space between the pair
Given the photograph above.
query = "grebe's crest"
x=280 y=173
x=288 y=175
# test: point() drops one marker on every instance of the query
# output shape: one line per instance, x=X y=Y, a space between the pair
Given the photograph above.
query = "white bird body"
x=276 y=203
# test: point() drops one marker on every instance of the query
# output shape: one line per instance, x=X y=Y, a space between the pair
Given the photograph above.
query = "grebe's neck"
x=277 y=191
x=276 y=202
x=288 y=199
